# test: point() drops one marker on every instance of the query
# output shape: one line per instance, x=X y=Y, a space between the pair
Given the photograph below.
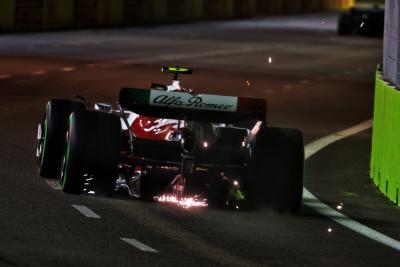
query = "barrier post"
x=159 y=11
x=228 y=8
x=7 y=14
x=29 y=14
x=312 y=5
x=65 y=13
x=269 y=7
x=176 y=10
x=111 y=12
x=195 y=9
x=137 y=12
x=213 y=9
x=245 y=8
x=292 y=7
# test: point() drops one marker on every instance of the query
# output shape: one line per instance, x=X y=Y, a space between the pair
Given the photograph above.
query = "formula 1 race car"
x=168 y=143
x=367 y=21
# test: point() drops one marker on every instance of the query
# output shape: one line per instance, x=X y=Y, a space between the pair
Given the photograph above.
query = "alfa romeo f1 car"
x=169 y=141
x=367 y=21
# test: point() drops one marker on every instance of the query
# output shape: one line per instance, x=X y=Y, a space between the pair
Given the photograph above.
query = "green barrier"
x=7 y=14
x=269 y=7
x=65 y=14
x=385 y=155
x=218 y=9
x=293 y=7
x=159 y=11
x=58 y=14
x=195 y=9
x=312 y=5
x=111 y=12
x=245 y=8
x=184 y=10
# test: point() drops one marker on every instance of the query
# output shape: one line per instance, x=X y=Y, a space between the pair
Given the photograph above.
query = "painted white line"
x=54 y=184
x=342 y=219
x=311 y=201
x=139 y=245
x=323 y=142
x=86 y=211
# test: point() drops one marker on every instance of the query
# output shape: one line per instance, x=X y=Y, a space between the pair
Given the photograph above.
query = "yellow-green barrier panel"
x=385 y=155
x=269 y=7
x=7 y=14
x=293 y=7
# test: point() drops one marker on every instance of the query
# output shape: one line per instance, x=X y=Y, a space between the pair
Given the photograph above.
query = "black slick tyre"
x=278 y=166
x=53 y=129
x=92 y=148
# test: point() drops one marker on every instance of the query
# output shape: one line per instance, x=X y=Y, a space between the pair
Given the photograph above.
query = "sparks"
x=184 y=202
x=38 y=72
x=4 y=76
x=68 y=69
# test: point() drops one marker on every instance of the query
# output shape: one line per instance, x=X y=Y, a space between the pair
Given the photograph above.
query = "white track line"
x=86 y=211
x=54 y=184
x=317 y=205
x=139 y=245
x=319 y=144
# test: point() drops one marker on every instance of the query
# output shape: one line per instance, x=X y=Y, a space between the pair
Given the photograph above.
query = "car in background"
x=169 y=144
x=362 y=20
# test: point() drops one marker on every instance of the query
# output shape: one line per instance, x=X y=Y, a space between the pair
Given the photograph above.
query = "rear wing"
x=185 y=106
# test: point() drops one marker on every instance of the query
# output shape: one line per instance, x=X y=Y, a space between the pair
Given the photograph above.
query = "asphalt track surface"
x=316 y=81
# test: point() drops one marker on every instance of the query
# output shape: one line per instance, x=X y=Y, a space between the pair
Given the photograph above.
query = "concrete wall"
x=17 y=15
x=391 y=64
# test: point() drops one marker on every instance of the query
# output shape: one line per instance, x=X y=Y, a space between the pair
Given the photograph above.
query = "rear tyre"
x=91 y=148
x=50 y=146
x=278 y=167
